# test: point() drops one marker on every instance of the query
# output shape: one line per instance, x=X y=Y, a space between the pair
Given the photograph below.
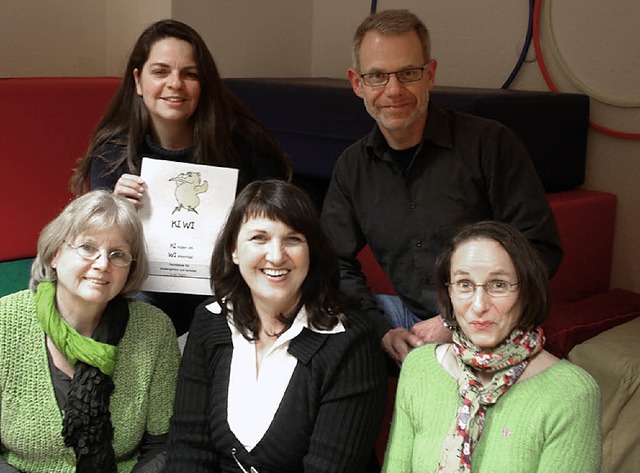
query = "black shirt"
x=466 y=169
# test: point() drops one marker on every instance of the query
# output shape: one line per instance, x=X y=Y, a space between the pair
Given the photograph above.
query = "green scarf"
x=71 y=344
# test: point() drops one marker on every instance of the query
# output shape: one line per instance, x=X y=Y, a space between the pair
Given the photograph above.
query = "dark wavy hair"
x=284 y=202
x=217 y=118
x=532 y=274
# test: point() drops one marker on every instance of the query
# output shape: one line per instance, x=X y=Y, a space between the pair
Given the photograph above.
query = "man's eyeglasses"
x=91 y=253
x=465 y=289
x=405 y=76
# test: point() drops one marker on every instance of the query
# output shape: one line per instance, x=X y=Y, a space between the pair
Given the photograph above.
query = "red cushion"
x=46 y=124
x=586 y=221
x=376 y=277
x=572 y=323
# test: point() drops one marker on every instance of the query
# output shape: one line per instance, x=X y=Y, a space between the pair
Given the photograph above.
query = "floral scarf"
x=506 y=362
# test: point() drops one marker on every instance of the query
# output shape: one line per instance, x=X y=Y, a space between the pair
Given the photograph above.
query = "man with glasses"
x=421 y=174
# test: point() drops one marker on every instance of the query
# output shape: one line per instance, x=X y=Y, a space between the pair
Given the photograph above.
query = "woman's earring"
x=450 y=325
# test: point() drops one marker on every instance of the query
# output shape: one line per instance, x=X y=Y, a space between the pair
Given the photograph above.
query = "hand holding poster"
x=183 y=209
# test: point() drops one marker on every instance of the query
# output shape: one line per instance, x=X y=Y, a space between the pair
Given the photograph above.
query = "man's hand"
x=432 y=331
x=398 y=342
x=131 y=187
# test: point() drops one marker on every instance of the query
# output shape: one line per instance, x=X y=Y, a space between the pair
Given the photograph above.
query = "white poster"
x=183 y=209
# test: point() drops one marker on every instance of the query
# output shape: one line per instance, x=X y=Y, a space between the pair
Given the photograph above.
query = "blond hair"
x=92 y=212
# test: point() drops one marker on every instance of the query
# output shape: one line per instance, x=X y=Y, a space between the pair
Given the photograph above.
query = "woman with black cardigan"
x=279 y=373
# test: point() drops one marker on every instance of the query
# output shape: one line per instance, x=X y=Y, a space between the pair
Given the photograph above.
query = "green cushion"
x=14 y=275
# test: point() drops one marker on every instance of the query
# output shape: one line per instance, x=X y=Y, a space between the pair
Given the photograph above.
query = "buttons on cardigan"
x=412 y=205
x=419 y=244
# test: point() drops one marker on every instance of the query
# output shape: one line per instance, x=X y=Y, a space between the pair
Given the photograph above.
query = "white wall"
x=476 y=44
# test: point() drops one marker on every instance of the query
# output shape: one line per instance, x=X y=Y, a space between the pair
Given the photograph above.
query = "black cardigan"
x=328 y=418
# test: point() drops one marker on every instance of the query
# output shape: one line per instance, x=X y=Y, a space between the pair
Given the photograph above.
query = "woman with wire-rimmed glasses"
x=87 y=376
x=493 y=399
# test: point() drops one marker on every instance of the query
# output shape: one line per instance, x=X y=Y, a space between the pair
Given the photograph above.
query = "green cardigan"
x=30 y=420
x=547 y=423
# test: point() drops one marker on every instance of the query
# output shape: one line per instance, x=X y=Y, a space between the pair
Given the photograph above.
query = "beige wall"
x=476 y=44
x=52 y=38
x=125 y=19
x=253 y=38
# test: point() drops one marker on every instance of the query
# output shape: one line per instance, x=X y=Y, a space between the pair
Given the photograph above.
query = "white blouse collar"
x=301 y=321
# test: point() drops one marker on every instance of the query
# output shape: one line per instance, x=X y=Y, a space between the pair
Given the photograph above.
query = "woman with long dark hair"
x=173 y=105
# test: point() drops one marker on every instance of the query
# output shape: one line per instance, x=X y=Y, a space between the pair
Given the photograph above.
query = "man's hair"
x=391 y=22
x=531 y=272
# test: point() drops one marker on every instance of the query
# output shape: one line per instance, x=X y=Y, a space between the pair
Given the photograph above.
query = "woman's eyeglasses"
x=496 y=288
x=90 y=253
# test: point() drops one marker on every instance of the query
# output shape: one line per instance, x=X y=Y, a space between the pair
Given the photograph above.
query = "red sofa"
x=47 y=123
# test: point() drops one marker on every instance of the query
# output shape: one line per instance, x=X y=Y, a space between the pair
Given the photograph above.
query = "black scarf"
x=87 y=420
